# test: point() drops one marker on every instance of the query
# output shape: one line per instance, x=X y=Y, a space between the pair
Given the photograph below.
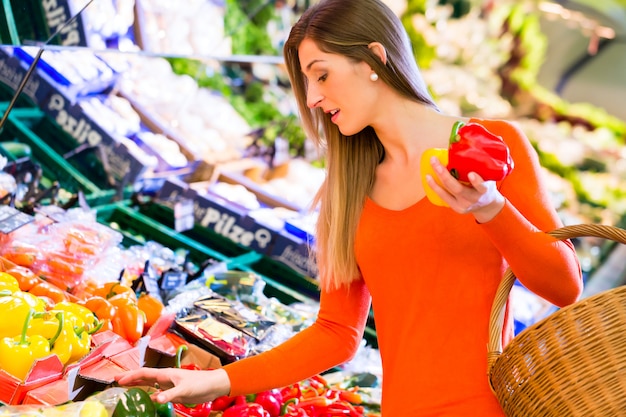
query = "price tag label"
x=183 y=215
x=12 y=219
x=173 y=279
x=151 y=285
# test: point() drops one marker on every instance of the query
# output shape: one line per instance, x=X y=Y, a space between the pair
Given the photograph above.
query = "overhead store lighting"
x=588 y=26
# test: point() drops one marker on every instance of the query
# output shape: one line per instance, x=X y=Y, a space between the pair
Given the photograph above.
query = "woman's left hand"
x=179 y=385
x=480 y=198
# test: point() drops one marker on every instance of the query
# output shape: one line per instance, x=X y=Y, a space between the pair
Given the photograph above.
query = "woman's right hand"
x=480 y=198
x=179 y=385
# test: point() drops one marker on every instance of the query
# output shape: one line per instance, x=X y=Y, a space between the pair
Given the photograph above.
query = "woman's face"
x=340 y=87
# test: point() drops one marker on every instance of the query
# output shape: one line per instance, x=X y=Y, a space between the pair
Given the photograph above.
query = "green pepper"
x=473 y=148
x=135 y=402
x=164 y=409
x=16 y=150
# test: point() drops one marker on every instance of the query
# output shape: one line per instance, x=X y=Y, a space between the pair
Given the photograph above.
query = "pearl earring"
x=374 y=76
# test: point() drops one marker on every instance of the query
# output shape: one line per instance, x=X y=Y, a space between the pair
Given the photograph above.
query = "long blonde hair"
x=347 y=27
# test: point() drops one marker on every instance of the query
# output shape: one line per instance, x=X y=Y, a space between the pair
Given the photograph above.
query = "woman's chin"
x=348 y=131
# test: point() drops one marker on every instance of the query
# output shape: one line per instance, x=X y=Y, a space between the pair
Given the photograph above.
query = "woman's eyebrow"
x=315 y=61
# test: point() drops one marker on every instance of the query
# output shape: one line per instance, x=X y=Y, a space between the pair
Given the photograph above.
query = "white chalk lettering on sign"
x=119 y=165
x=298 y=260
x=80 y=128
x=225 y=225
x=11 y=77
x=56 y=16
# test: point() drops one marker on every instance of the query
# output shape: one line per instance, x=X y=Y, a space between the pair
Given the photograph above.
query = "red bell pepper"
x=472 y=148
x=311 y=406
x=291 y=391
x=271 y=401
x=194 y=410
x=246 y=410
x=223 y=402
x=350 y=396
x=344 y=408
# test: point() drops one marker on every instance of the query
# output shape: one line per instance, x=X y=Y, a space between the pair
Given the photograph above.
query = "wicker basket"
x=571 y=363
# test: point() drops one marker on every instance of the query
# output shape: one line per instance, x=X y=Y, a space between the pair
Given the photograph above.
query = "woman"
x=431 y=272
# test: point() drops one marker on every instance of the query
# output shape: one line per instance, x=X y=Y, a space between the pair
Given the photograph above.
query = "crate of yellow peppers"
x=30 y=330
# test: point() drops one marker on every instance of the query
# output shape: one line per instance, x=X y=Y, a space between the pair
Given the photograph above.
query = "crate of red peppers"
x=313 y=397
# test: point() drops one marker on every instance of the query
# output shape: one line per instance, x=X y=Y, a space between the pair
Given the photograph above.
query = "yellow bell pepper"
x=8 y=282
x=79 y=311
x=71 y=318
x=13 y=313
x=46 y=325
x=93 y=408
x=36 y=303
x=427 y=169
x=69 y=340
x=51 y=326
x=81 y=345
x=73 y=338
x=17 y=354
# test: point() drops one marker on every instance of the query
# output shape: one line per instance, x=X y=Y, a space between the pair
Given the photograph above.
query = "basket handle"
x=496 y=320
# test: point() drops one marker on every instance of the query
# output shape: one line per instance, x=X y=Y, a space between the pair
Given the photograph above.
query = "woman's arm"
x=333 y=339
x=546 y=266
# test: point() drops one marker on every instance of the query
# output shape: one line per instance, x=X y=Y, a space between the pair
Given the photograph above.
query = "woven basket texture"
x=570 y=364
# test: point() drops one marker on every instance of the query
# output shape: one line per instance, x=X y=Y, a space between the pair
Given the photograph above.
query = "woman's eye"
x=323 y=77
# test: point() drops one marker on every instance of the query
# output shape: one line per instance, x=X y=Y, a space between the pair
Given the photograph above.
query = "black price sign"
x=173 y=279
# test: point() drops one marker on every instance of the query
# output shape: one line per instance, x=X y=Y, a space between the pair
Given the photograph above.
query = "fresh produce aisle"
x=186 y=182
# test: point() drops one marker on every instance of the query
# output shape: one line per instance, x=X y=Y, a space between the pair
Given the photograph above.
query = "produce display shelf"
x=289 y=284
x=242 y=257
x=262 y=265
x=165 y=215
x=138 y=228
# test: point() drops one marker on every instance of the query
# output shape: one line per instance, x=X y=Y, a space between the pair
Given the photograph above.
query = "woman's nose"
x=313 y=98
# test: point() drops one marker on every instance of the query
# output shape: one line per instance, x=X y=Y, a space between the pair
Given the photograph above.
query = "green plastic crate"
x=240 y=256
x=165 y=215
x=19 y=128
x=8 y=28
x=138 y=229
x=48 y=142
x=55 y=139
x=30 y=21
